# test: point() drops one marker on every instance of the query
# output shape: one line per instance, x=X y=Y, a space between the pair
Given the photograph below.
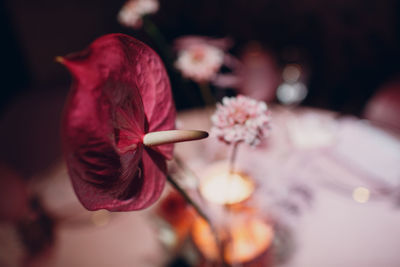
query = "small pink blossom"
x=132 y=12
x=241 y=119
x=200 y=62
x=200 y=58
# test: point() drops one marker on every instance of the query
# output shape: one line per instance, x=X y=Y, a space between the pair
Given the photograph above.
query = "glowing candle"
x=222 y=187
x=249 y=241
x=177 y=216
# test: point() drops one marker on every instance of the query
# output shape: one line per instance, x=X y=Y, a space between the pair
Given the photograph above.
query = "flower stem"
x=201 y=214
x=232 y=159
x=152 y=30
x=228 y=208
x=188 y=198
x=206 y=94
x=188 y=171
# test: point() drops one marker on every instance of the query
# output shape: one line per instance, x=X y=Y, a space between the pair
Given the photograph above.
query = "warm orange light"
x=174 y=210
x=250 y=238
x=100 y=217
x=219 y=186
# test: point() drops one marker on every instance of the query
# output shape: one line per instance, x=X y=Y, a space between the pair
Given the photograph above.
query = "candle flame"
x=222 y=187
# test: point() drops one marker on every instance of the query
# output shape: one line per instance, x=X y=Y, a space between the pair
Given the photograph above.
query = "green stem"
x=201 y=214
x=188 y=199
x=152 y=30
x=206 y=94
x=188 y=171
x=232 y=159
x=228 y=209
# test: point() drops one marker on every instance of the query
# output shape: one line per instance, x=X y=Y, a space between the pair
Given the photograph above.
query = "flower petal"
x=155 y=90
x=120 y=92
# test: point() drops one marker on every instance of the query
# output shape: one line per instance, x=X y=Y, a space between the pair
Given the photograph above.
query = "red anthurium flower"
x=121 y=92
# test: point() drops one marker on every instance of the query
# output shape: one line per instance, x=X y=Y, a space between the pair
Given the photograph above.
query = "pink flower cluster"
x=241 y=119
x=132 y=12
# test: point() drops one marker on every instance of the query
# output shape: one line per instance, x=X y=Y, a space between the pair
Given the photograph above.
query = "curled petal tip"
x=172 y=136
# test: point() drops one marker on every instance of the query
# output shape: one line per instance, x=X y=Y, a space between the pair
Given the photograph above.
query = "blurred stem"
x=228 y=208
x=206 y=94
x=187 y=170
x=188 y=198
x=232 y=159
x=201 y=214
x=152 y=30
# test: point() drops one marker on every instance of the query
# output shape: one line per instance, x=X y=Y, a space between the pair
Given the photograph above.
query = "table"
x=309 y=174
x=331 y=228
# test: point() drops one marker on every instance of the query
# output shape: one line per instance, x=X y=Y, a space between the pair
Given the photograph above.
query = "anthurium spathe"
x=120 y=100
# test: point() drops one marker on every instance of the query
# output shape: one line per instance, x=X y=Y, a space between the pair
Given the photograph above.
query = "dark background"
x=350 y=48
